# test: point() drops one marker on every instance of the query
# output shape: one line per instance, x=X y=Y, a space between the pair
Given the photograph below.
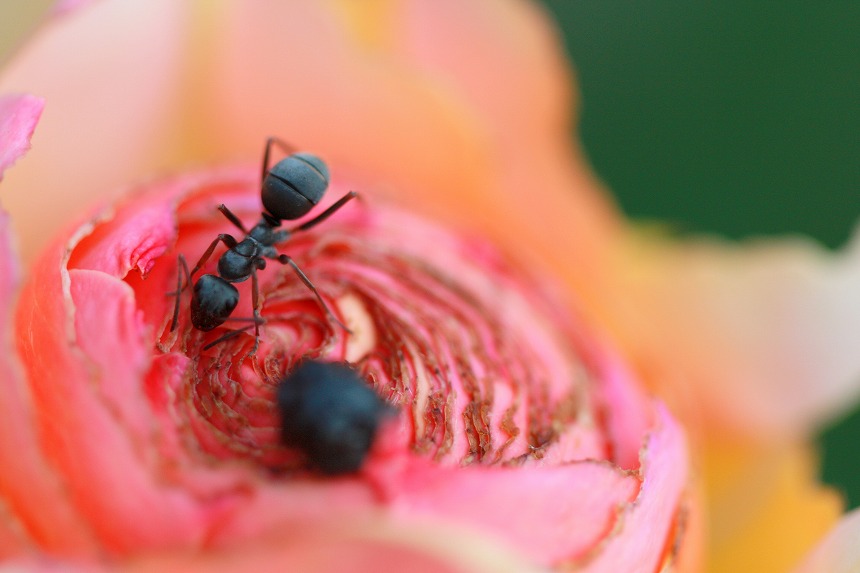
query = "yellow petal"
x=766 y=506
x=839 y=552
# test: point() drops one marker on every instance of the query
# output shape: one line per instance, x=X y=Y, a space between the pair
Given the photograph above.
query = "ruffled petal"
x=87 y=395
x=651 y=528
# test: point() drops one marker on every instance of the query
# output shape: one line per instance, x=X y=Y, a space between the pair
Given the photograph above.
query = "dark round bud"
x=294 y=185
x=330 y=413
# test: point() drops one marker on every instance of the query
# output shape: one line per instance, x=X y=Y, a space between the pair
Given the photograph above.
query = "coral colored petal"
x=110 y=108
x=839 y=552
x=504 y=63
x=28 y=483
x=767 y=508
x=314 y=84
x=111 y=475
x=18 y=117
x=765 y=334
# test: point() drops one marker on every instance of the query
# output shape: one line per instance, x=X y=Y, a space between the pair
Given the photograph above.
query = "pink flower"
x=462 y=110
x=516 y=424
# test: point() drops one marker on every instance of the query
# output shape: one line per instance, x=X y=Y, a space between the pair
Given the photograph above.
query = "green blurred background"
x=739 y=117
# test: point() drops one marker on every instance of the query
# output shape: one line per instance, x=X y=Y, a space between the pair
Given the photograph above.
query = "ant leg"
x=257 y=320
x=183 y=266
x=226 y=239
x=286 y=260
x=288 y=149
x=232 y=218
x=228 y=336
x=327 y=213
x=255 y=300
x=236 y=331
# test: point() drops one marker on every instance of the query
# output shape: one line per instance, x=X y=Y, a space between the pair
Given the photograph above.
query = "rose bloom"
x=627 y=403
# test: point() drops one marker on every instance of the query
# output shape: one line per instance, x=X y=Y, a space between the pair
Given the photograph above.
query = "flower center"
x=470 y=352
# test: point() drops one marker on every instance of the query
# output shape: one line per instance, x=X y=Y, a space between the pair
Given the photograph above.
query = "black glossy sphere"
x=294 y=185
x=330 y=413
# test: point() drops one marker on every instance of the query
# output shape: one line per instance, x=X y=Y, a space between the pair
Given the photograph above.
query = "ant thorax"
x=266 y=232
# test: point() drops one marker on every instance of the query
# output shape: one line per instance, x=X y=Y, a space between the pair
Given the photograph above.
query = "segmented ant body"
x=289 y=190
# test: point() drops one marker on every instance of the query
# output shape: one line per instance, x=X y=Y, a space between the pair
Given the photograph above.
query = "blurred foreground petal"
x=110 y=74
x=34 y=510
x=387 y=93
x=352 y=547
x=767 y=507
x=18 y=117
x=765 y=335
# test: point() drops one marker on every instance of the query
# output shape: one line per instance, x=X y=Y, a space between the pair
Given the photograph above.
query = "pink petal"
x=839 y=552
x=351 y=546
x=62 y=7
x=111 y=74
x=765 y=334
x=649 y=527
x=18 y=117
x=553 y=514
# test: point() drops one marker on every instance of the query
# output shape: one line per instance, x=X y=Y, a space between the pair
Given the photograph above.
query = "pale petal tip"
x=19 y=114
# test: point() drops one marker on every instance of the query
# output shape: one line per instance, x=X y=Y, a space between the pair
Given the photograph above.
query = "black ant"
x=331 y=414
x=289 y=190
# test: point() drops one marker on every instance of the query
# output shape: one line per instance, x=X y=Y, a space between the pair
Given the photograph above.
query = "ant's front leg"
x=285 y=147
x=286 y=260
x=223 y=238
x=182 y=266
x=232 y=218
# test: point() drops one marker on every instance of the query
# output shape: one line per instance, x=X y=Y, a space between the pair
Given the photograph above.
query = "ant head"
x=294 y=185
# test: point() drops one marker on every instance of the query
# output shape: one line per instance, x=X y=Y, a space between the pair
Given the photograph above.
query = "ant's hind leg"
x=286 y=260
x=180 y=268
x=327 y=213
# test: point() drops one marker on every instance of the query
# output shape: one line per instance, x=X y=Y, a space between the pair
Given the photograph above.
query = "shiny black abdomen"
x=212 y=302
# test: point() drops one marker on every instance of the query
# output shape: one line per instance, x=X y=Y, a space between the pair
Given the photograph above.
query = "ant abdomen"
x=220 y=299
x=294 y=185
